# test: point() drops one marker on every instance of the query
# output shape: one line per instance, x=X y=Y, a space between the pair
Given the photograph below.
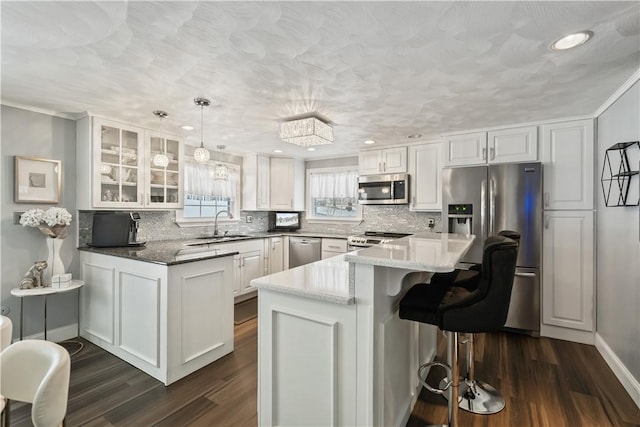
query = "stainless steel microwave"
x=383 y=189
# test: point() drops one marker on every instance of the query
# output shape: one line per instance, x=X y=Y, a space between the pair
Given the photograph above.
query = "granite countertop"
x=170 y=252
x=434 y=252
x=166 y=252
x=326 y=280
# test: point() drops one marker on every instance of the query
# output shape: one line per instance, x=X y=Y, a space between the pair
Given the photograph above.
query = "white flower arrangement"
x=52 y=222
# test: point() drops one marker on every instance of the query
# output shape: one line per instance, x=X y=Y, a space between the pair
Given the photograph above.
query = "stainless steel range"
x=371 y=238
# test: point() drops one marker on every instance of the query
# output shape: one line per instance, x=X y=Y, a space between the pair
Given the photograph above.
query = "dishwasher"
x=303 y=250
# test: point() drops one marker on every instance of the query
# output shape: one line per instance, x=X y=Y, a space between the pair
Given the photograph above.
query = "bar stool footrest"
x=445 y=383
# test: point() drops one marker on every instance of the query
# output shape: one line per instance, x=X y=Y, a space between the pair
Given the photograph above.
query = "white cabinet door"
x=255 y=182
x=388 y=160
x=118 y=167
x=251 y=268
x=370 y=162
x=513 y=145
x=276 y=255
x=425 y=169
x=394 y=160
x=262 y=186
x=163 y=184
x=286 y=184
x=467 y=149
x=567 y=275
x=568 y=156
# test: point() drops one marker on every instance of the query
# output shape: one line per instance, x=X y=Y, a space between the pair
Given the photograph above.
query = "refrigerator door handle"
x=483 y=208
x=525 y=274
x=492 y=206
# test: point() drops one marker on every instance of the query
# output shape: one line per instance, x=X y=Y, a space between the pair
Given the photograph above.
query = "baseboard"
x=630 y=384
x=56 y=335
x=566 y=334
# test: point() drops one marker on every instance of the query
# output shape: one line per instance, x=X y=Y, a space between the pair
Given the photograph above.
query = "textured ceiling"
x=377 y=70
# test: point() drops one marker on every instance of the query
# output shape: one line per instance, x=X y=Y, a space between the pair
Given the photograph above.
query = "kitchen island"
x=331 y=347
x=166 y=308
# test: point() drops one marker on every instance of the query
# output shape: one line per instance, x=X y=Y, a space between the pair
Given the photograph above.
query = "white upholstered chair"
x=36 y=372
x=6 y=332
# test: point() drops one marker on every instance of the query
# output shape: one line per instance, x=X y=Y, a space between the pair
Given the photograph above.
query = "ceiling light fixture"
x=221 y=171
x=311 y=149
x=187 y=127
x=369 y=141
x=160 y=159
x=306 y=131
x=414 y=136
x=572 y=40
x=277 y=151
x=201 y=154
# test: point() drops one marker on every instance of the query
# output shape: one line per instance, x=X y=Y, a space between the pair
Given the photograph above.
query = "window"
x=332 y=194
x=204 y=197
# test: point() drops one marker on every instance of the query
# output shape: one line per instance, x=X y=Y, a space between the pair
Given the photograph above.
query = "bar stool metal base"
x=478 y=397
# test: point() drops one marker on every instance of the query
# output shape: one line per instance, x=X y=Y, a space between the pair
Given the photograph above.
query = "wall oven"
x=383 y=189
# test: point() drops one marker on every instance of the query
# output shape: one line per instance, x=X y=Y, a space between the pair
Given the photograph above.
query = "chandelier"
x=221 y=171
x=160 y=159
x=201 y=154
x=306 y=131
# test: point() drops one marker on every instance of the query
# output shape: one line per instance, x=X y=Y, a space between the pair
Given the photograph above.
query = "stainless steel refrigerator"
x=483 y=200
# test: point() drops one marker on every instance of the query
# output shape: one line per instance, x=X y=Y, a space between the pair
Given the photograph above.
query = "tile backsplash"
x=160 y=225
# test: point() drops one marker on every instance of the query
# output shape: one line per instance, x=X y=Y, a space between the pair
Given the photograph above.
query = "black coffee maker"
x=114 y=229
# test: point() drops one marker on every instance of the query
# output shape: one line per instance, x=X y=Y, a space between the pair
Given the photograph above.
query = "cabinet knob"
x=384 y=166
x=492 y=153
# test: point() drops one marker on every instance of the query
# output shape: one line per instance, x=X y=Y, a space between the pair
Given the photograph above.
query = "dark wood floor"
x=545 y=382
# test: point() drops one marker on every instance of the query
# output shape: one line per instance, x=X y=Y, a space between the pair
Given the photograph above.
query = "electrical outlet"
x=249 y=218
x=4 y=310
x=431 y=222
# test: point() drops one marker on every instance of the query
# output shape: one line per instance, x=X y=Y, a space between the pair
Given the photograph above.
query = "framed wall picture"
x=37 y=180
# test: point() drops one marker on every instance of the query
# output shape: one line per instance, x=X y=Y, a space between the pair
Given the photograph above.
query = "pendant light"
x=160 y=159
x=221 y=171
x=201 y=154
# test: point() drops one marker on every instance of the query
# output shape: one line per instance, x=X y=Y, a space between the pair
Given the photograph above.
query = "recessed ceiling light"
x=369 y=142
x=414 y=136
x=187 y=127
x=311 y=149
x=572 y=40
x=277 y=151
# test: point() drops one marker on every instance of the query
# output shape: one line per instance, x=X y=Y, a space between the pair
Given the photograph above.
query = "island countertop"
x=433 y=252
x=165 y=252
x=326 y=280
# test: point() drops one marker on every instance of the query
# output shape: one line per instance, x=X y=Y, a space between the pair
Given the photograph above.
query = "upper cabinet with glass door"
x=118 y=161
x=164 y=183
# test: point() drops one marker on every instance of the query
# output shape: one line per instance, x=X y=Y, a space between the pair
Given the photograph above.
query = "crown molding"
x=69 y=116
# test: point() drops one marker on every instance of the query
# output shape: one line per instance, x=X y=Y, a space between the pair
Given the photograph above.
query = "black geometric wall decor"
x=619 y=175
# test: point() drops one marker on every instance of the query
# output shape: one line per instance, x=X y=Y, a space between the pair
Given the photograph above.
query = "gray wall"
x=26 y=133
x=618 y=247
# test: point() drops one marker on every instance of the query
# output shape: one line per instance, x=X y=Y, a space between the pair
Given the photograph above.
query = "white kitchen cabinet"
x=383 y=161
x=513 y=145
x=167 y=321
x=568 y=161
x=499 y=146
x=255 y=182
x=286 y=180
x=465 y=150
x=276 y=254
x=248 y=263
x=425 y=169
x=568 y=270
x=114 y=169
x=333 y=247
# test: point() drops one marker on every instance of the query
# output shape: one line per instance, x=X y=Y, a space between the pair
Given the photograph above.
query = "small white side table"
x=22 y=293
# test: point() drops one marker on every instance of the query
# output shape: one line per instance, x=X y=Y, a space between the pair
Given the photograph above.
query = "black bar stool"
x=455 y=309
x=475 y=396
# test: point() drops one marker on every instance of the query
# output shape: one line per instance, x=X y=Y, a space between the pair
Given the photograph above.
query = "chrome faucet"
x=215 y=223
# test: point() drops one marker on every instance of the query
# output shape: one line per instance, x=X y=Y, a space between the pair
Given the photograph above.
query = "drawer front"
x=334 y=245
